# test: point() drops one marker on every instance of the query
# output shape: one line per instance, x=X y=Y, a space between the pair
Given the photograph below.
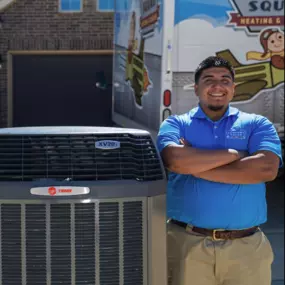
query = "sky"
x=204 y=9
x=224 y=3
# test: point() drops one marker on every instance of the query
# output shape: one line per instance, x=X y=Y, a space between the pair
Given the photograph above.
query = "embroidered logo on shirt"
x=236 y=134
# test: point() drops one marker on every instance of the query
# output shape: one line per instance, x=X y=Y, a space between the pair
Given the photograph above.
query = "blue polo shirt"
x=213 y=205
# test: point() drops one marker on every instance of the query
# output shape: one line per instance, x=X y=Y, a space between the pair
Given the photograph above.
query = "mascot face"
x=276 y=42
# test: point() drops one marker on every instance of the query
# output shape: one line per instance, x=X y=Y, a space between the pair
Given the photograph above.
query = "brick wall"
x=37 y=25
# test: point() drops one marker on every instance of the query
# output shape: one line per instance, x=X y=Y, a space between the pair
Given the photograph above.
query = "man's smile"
x=217 y=94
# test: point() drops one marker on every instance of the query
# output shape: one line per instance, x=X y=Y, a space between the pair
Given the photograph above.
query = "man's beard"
x=215 y=108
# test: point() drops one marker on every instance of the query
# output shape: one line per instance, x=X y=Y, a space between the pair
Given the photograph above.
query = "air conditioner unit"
x=81 y=206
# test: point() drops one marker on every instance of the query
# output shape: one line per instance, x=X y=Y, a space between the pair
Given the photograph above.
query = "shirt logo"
x=236 y=134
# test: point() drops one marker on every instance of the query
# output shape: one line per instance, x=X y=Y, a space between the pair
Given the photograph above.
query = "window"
x=123 y=5
x=70 y=5
x=106 y=5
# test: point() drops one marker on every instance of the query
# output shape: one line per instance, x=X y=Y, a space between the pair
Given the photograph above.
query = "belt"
x=219 y=234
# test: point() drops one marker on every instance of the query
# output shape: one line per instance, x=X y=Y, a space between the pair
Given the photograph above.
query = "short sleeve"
x=169 y=133
x=264 y=137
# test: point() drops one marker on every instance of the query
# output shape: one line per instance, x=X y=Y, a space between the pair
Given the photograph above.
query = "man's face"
x=215 y=88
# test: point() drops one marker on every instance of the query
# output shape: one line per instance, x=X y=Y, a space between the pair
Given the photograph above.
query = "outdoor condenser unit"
x=81 y=206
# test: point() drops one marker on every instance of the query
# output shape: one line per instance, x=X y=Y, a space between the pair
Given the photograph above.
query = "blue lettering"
x=253 y=6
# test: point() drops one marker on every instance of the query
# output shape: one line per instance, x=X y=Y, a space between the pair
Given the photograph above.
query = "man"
x=219 y=159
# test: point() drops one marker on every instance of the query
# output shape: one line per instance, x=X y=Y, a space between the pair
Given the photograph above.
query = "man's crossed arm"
x=224 y=166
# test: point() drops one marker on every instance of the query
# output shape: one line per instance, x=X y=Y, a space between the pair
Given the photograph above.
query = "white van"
x=159 y=44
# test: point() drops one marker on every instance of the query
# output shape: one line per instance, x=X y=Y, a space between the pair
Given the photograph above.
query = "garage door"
x=60 y=90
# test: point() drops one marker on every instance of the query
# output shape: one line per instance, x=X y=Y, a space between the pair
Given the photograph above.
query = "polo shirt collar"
x=199 y=113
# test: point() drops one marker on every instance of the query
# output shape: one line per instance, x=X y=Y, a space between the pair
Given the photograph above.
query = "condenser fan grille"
x=75 y=157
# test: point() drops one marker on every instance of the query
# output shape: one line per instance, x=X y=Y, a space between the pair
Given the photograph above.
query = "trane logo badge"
x=60 y=191
x=107 y=144
x=52 y=191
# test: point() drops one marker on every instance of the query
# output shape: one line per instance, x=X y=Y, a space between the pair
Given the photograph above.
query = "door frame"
x=12 y=53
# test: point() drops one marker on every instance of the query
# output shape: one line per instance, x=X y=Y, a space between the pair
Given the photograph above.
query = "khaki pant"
x=194 y=259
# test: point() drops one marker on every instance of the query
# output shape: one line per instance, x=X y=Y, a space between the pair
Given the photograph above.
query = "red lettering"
x=65 y=190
